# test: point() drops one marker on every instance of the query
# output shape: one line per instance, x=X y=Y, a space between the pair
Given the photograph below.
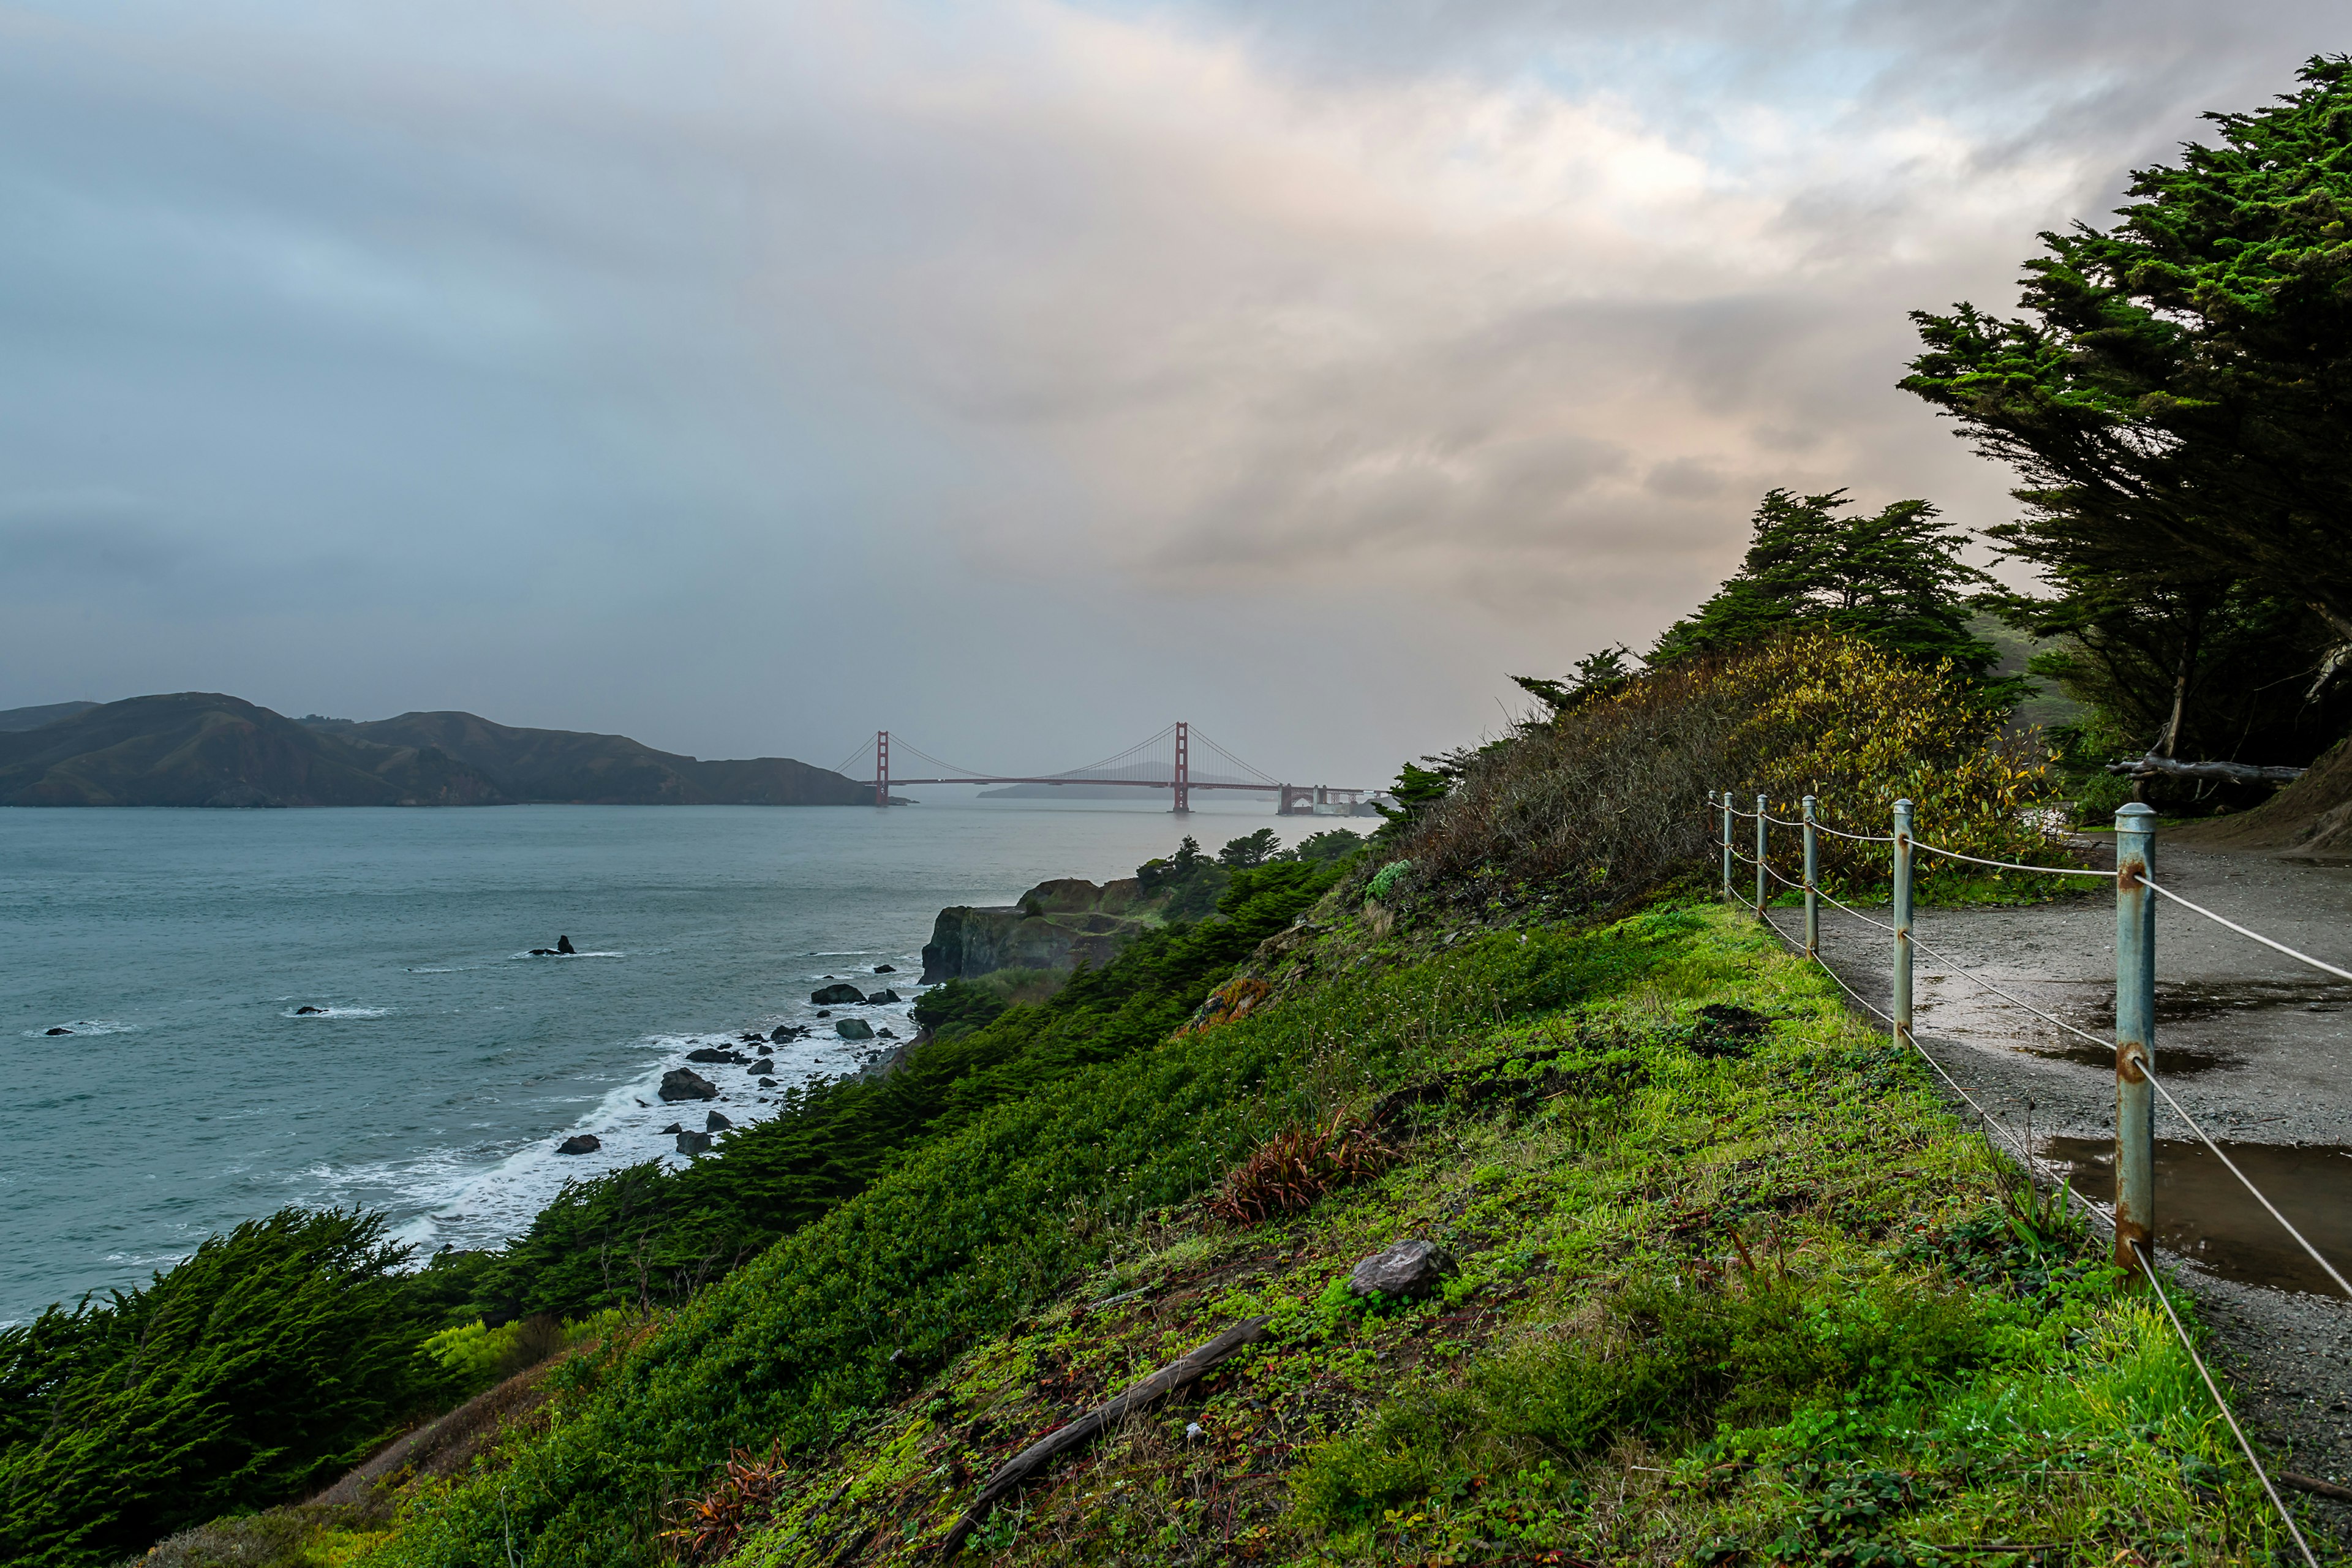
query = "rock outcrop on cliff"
x=1055 y=925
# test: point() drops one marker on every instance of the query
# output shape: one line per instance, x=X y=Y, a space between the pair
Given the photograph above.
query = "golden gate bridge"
x=1178 y=759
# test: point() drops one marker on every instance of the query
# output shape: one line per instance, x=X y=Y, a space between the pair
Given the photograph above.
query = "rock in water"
x=306 y=1009
x=579 y=1143
x=564 y=945
x=885 y=969
x=827 y=1013
x=543 y=952
x=1406 y=1270
x=889 y=1036
x=694 y=1143
x=673 y=1127
x=837 y=996
x=684 y=1083
x=60 y=1030
x=881 y=998
x=852 y=1029
x=763 y=1065
x=713 y=1054
x=716 y=1121
x=767 y=1083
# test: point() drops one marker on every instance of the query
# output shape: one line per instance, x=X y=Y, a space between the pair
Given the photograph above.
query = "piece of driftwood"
x=2223 y=772
x=2314 y=1486
x=1182 y=1373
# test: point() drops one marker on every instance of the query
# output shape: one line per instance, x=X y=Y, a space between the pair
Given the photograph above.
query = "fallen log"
x=2221 y=772
x=1182 y=1373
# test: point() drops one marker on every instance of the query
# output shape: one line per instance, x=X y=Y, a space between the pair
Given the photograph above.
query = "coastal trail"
x=2254 y=1045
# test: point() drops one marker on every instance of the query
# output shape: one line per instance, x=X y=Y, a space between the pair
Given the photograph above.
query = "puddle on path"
x=2176 y=1061
x=2205 y=1218
x=2184 y=1002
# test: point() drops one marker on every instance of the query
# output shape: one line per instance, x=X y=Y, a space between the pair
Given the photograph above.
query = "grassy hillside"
x=1732 y=1283
x=201 y=747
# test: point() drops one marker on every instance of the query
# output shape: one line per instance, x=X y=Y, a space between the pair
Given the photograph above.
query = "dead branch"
x=1182 y=1373
x=2223 y=773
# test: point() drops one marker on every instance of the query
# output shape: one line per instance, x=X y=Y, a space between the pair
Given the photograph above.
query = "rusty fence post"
x=2135 y=1035
x=1727 y=847
x=1813 y=893
x=1902 y=921
x=1762 y=892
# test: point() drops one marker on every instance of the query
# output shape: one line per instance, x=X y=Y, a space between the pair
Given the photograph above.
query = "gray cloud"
x=747 y=378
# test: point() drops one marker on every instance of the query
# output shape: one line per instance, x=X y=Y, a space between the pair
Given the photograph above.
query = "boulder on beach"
x=881 y=998
x=694 y=1143
x=885 y=969
x=852 y=1029
x=60 y=1030
x=716 y=1121
x=579 y=1143
x=684 y=1083
x=837 y=996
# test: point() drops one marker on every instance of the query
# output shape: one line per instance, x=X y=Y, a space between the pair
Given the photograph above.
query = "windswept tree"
x=2178 y=398
x=1892 y=578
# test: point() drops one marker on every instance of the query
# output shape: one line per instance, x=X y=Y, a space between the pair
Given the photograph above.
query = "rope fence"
x=2132 y=1219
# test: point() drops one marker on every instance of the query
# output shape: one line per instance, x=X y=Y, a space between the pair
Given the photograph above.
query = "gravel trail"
x=2252 y=1044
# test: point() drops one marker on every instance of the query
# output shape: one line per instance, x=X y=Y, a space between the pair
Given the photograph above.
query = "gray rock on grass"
x=1404 y=1271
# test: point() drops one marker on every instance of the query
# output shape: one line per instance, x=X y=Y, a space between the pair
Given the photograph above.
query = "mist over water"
x=447 y=1062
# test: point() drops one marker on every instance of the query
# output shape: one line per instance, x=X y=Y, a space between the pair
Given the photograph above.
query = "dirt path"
x=2258 y=1048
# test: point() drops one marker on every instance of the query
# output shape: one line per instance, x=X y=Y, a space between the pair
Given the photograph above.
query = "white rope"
x=1979 y=979
x=1857 y=914
x=1857 y=837
x=2017 y=1145
x=2266 y=941
x=2140 y=1251
x=2249 y=1185
x=2010 y=864
x=1798 y=887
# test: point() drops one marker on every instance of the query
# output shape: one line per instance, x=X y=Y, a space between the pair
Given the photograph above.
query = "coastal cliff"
x=1056 y=926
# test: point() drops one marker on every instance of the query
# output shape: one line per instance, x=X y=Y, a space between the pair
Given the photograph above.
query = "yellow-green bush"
x=1611 y=799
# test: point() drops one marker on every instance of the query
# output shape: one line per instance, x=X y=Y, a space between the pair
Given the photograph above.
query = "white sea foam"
x=482 y=1197
x=82 y=1027
x=336 y=1011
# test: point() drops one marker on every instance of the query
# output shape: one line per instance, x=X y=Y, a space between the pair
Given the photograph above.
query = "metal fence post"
x=1727 y=847
x=2135 y=1035
x=1812 y=896
x=1902 y=921
x=1761 y=850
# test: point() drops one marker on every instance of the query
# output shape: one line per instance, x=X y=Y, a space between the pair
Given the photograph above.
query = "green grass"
x=1719 y=1298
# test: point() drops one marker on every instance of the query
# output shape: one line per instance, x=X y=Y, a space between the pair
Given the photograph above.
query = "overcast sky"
x=1020 y=376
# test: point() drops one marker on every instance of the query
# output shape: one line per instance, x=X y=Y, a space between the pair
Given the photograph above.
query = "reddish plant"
x=705 y=1528
x=1295 y=1166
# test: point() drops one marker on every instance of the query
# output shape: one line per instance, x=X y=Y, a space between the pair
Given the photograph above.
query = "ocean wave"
x=484 y=1197
x=82 y=1027
x=319 y=1012
x=546 y=952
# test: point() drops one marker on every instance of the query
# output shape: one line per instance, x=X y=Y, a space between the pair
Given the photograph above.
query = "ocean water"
x=447 y=1063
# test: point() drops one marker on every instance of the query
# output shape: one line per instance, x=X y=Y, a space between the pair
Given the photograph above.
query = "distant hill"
x=201 y=747
x=33 y=718
x=604 y=770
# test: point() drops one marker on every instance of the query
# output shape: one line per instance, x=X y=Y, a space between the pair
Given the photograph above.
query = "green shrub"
x=269 y=1361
